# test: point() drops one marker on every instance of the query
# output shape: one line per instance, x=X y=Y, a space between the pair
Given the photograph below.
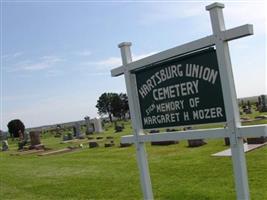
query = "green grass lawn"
x=177 y=172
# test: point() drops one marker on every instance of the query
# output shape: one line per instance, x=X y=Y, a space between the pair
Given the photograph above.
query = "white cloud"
x=42 y=63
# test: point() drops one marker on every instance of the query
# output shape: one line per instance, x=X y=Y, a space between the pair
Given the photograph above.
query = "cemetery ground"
x=177 y=172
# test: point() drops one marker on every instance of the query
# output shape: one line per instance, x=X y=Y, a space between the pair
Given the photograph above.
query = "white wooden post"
x=230 y=101
x=136 y=122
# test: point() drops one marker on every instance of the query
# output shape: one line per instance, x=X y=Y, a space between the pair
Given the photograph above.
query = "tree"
x=14 y=126
x=113 y=104
x=104 y=104
x=124 y=104
x=116 y=106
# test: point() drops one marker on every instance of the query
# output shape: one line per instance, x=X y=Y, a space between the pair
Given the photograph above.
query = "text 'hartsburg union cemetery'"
x=184 y=90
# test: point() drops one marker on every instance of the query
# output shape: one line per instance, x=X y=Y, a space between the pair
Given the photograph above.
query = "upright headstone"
x=65 y=138
x=35 y=140
x=3 y=140
x=88 y=125
x=262 y=104
x=58 y=131
x=194 y=142
x=258 y=140
x=4 y=145
x=1 y=135
x=118 y=127
x=77 y=130
x=227 y=141
x=23 y=140
x=97 y=125
x=93 y=144
x=69 y=136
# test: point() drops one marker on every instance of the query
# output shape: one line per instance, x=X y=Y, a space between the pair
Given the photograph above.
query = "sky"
x=56 y=56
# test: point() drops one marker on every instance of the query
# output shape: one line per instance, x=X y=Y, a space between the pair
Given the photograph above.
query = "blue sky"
x=56 y=56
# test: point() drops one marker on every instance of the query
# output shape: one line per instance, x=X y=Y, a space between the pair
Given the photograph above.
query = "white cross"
x=234 y=130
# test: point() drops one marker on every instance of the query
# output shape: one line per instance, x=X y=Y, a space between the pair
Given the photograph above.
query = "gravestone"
x=23 y=140
x=258 y=140
x=122 y=145
x=65 y=137
x=89 y=128
x=262 y=103
x=77 y=130
x=70 y=136
x=261 y=117
x=3 y=140
x=93 y=144
x=109 y=144
x=227 y=141
x=1 y=135
x=171 y=130
x=97 y=125
x=74 y=131
x=154 y=131
x=194 y=142
x=35 y=140
x=90 y=131
x=58 y=131
x=4 y=145
x=247 y=110
x=118 y=127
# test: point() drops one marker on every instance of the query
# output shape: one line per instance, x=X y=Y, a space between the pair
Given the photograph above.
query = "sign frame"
x=234 y=130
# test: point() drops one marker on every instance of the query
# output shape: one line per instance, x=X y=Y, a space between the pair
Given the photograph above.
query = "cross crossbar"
x=208 y=41
x=178 y=135
x=237 y=32
x=246 y=131
x=252 y=131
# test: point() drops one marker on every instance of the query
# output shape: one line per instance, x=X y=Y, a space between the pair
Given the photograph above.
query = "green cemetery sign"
x=181 y=91
x=178 y=88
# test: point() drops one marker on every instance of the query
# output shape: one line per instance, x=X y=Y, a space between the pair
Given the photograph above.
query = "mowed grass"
x=177 y=172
